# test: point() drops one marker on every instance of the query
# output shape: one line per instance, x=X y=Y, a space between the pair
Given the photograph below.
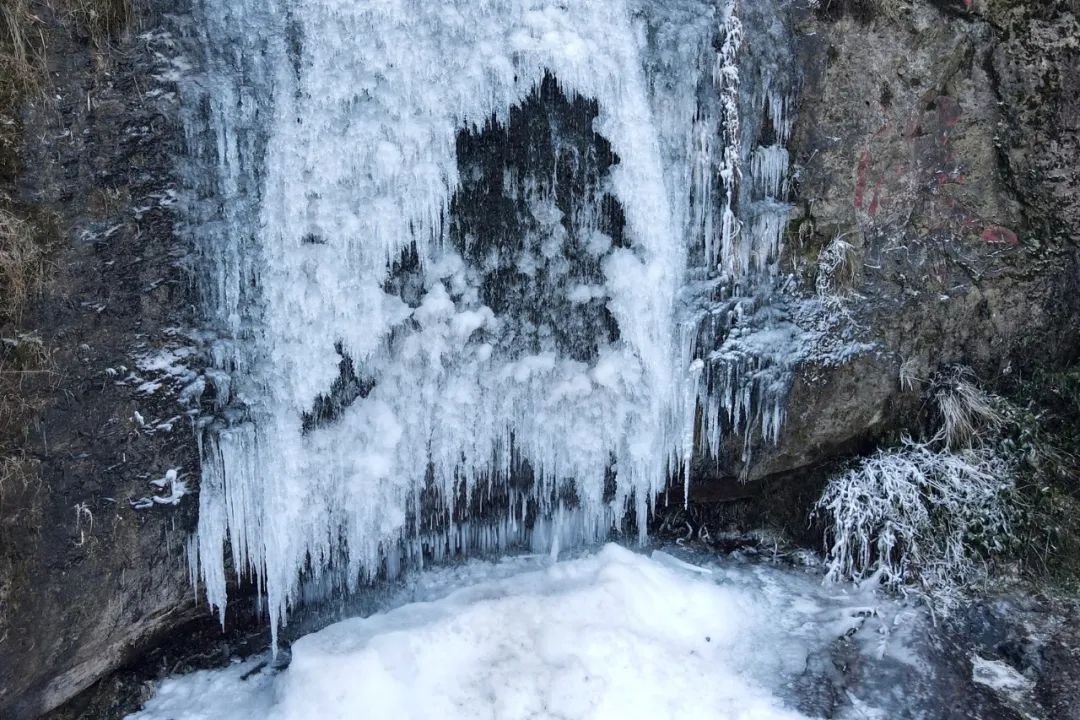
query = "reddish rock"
x=999 y=235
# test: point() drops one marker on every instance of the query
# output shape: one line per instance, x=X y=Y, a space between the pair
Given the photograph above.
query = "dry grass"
x=22 y=46
x=28 y=235
x=17 y=476
x=24 y=251
x=27 y=381
x=25 y=368
x=26 y=27
x=24 y=31
x=967 y=414
x=101 y=20
x=21 y=492
x=22 y=43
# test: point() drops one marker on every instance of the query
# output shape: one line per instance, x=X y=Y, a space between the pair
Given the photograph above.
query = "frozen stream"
x=614 y=634
x=471 y=258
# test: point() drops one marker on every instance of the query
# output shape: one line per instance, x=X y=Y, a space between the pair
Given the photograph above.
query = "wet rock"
x=1016 y=651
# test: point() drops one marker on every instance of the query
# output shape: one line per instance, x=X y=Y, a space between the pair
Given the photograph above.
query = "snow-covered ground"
x=615 y=634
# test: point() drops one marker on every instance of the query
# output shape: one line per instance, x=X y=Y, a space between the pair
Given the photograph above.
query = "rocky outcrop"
x=935 y=178
x=92 y=568
x=936 y=167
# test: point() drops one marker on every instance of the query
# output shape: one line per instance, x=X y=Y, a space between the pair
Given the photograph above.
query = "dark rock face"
x=87 y=581
x=559 y=166
x=1034 y=635
x=940 y=138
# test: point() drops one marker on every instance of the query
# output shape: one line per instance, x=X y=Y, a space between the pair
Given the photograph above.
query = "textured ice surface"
x=1000 y=677
x=613 y=635
x=343 y=401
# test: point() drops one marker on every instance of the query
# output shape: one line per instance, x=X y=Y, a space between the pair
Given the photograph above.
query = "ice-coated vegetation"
x=918 y=514
x=927 y=513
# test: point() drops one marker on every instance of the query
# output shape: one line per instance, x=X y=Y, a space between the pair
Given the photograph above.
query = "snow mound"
x=614 y=635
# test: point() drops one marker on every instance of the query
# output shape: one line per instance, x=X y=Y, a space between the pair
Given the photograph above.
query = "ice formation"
x=349 y=394
x=613 y=635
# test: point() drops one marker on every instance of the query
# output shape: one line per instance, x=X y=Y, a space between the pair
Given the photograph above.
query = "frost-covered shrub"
x=929 y=513
x=835 y=267
x=919 y=513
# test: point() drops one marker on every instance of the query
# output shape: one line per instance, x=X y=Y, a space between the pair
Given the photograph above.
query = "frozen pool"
x=614 y=634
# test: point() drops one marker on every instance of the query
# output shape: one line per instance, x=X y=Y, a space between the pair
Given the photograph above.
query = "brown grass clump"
x=17 y=474
x=101 y=20
x=21 y=59
x=25 y=27
x=26 y=243
x=21 y=46
x=23 y=263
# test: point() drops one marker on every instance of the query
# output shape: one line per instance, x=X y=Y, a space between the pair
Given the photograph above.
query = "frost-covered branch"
x=835 y=267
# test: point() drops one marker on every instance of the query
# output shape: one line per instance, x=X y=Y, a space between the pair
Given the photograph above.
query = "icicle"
x=336 y=157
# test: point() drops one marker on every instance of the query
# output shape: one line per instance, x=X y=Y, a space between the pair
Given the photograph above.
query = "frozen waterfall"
x=390 y=363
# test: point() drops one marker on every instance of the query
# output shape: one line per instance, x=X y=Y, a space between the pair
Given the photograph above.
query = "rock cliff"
x=936 y=185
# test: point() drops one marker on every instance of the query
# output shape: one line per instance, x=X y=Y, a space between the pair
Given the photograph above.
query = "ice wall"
x=361 y=367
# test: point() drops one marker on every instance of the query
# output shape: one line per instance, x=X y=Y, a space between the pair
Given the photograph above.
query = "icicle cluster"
x=332 y=126
x=739 y=337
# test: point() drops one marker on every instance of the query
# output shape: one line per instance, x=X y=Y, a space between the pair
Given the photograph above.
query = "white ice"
x=333 y=126
x=1000 y=677
x=615 y=635
x=360 y=120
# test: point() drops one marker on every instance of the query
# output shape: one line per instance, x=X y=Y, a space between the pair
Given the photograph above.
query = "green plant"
x=1045 y=438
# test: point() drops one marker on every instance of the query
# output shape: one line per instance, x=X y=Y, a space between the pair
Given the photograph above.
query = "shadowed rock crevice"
x=346 y=389
x=534 y=217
